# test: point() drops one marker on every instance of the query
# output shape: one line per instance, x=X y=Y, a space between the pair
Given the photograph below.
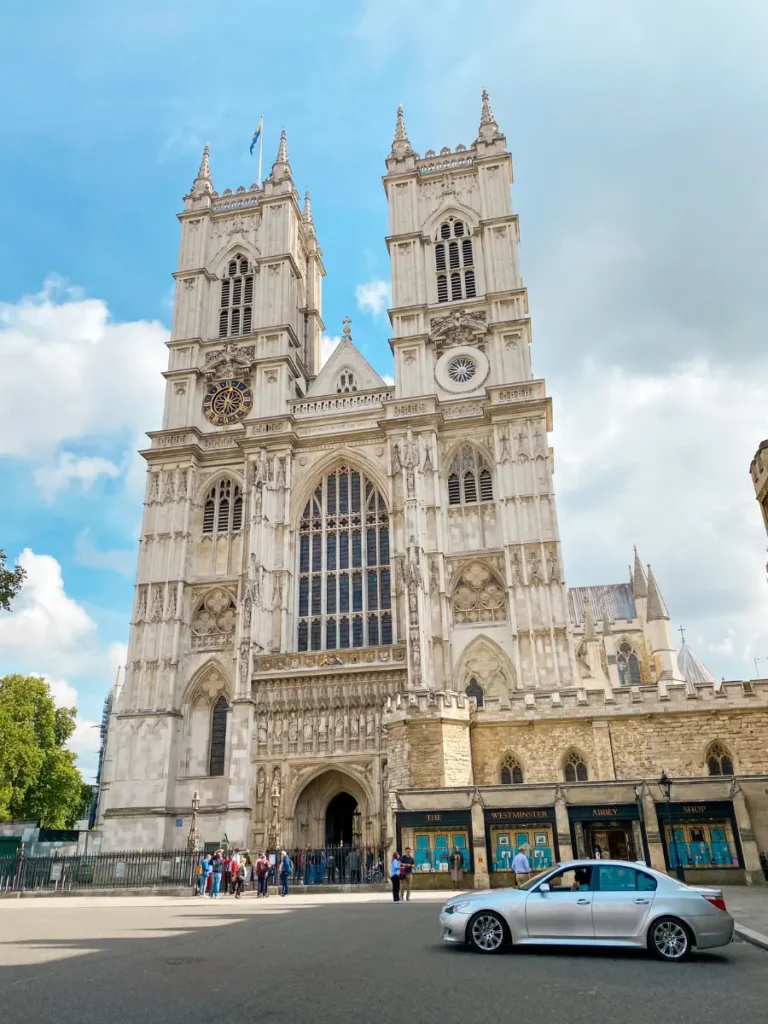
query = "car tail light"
x=716 y=901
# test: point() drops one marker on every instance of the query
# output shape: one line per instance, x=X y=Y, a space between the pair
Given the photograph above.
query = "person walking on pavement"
x=406 y=868
x=353 y=863
x=394 y=874
x=216 y=869
x=522 y=867
x=286 y=870
x=202 y=878
x=456 y=864
x=261 y=868
x=240 y=879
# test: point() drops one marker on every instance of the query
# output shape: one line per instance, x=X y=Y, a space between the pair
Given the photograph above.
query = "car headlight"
x=452 y=908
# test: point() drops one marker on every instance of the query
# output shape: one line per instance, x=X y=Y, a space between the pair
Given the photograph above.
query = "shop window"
x=701 y=845
x=432 y=848
x=628 y=665
x=575 y=768
x=537 y=844
x=511 y=772
x=719 y=761
x=475 y=690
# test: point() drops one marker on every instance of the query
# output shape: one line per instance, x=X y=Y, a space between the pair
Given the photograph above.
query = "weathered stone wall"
x=539 y=747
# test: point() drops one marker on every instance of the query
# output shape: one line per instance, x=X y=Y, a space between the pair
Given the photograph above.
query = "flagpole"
x=261 y=147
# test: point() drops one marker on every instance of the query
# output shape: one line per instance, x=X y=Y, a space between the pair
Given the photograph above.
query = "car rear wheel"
x=487 y=932
x=670 y=939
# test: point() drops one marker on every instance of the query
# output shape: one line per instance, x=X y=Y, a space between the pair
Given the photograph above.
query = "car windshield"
x=530 y=883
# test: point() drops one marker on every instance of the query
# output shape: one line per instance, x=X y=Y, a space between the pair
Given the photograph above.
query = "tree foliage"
x=10 y=582
x=38 y=777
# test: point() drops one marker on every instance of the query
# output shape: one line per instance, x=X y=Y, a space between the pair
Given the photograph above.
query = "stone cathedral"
x=351 y=623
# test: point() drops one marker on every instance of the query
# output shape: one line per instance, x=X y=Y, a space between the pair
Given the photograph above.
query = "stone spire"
x=202 y=182
x=589 y=624
x=307 y=212
x=639 y=582
x=401 y=144
x=489 y=129
x=693 y=669
x=607 y=630
x=281 y=168
x=656 y=608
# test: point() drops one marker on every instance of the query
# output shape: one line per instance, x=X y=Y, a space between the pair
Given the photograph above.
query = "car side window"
x=570 y=880
x=617 y=878
x=646 y=883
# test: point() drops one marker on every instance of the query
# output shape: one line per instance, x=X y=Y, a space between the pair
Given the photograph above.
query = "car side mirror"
x=545 y=887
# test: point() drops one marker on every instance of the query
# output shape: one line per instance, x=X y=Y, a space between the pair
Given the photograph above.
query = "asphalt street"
x=330 y=959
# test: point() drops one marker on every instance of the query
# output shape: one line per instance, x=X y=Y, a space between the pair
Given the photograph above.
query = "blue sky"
x=641 y=162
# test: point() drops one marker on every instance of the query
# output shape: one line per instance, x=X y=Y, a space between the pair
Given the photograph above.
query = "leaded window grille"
x=236 y=304
x=719 y=761
x=628 y=665
x=346 y=382
x=454 y=252
x=511 y=771
x=575 y=768
x=344 y=585
x=468 y=476
x=218 y=737
x=223 y=509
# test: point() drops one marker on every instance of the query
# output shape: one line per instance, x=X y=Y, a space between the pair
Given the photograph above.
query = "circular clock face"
x=227 y=401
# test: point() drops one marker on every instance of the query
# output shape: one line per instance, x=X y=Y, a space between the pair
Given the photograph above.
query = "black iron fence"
x=129 y=869
x=337 y=865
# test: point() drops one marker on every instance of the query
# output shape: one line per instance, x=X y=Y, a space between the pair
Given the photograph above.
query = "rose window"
x=462 y=369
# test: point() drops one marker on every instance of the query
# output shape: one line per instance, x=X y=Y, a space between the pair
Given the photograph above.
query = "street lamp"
x=193 y=839
x=356 y=831
x=666 y=787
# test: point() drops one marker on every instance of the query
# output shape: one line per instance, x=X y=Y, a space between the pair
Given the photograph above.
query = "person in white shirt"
x=522 y=867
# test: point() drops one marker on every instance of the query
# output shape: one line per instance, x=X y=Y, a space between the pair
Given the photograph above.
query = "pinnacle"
x=589 y=624
x=307 y=212
x=489 y=129
x=487 y=115
x=656 y=608
x=639 y=582
x=205 y=164
x=282 y=151
x=401 y=135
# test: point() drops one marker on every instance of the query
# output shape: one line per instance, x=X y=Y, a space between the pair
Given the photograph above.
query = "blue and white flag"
x=257 y=134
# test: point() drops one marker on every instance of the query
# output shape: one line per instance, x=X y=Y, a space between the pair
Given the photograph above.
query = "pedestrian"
x=217 y=865
x=226 y=871
x=234 y=864
x=456 y=864
x=261 y=867
x=353 y=863
x=394 y=874
x=286 y=870
x=204 y=870
x=240 y=880
x=406 y=869
x=522 y=867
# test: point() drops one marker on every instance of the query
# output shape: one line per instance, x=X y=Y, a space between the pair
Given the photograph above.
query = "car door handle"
x=642 y=901
x=584 y=902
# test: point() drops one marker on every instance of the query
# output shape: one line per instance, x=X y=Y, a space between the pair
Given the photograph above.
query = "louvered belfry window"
x=453 y=253
x=223 y=509
x=469 y=478
x=344 y=585
x=236 y=305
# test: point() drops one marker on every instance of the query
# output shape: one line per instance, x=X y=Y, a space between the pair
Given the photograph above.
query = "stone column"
x=652 y=830
x=752 y=870
x=563 y=827
x=482 y=878
x=601 y=736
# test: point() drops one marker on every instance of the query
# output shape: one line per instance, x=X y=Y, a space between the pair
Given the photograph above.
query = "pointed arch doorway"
x=341 y=827
x=331 y=808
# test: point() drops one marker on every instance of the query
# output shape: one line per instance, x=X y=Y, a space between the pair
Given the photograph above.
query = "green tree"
x=10 y=582
x=38 y=776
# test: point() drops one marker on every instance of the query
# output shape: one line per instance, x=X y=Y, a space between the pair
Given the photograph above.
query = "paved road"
x=332 y=961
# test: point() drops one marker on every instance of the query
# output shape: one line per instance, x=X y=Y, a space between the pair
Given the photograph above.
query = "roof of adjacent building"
x=693 y=669
x=612 y=601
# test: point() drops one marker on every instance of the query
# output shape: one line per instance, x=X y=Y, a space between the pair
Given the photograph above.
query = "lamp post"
x=666 y=787
x=193 y=839
x=356 y=831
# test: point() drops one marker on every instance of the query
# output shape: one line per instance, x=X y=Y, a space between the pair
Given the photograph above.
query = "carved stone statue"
x=523 y=450
x=308 y=729
x=339 y=728
x=275 y=787
x=278 y=733
x=354 y=726
x=322 y=729
x=293 y=728
x=262 y=730
x=261 y=783
x=396 y=463
x=369 y=724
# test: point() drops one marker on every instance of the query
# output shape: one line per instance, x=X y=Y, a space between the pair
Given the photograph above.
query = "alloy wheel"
x=670 y=940
x=487 y=933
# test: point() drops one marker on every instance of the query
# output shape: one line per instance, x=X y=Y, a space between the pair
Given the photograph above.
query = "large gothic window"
x=223 y=508
x=575 y=768
x=511 y=772
x=344 y=592
x=454 y=262
x=719 y=761
x=236 y=304
x=628 y=665
x=218 y=737
x=469 y=478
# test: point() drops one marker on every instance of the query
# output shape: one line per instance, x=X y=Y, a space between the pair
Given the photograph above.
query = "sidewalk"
x=748 y=904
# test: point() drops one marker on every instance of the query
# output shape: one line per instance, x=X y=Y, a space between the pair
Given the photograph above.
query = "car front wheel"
x=487 y=933
x=669 y=939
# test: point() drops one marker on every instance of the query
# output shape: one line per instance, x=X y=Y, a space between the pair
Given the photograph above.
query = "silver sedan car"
x=592 y=903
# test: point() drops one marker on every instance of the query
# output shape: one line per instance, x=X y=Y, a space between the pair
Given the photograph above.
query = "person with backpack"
x=203 y=871
x=286 y=870
x=261 y=869
x=394 y=876
x=240 y=879
x=216 y=869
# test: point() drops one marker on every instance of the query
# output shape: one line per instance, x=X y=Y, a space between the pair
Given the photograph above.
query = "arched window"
x=346 y=382
x=454 y=252
x=218 y=737
x=575 y=768
x=344 y=587
x=223 y=509
x=475 y=690
x=511 y=771
x=719 y=761
x=236 y=305
x=468 y=476
x=628 y=665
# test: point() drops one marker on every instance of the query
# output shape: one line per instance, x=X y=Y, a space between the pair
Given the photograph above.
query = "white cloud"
x=662 y=460
x=64 y=695
x=388 y=378
x=67 y=469
x=327 y=348
x=373 y=297
x=122 y=560
x=97 y=377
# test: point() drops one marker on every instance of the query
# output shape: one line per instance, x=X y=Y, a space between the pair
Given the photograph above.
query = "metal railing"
x=129 y=869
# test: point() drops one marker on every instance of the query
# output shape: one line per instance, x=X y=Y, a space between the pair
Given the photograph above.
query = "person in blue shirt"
x=522 y=867
x=205 y=870
x=394 y=874
x=286 y=870
x=216 y=868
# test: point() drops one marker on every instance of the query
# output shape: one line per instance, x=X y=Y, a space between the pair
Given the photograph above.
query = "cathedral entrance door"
x=339 y=820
